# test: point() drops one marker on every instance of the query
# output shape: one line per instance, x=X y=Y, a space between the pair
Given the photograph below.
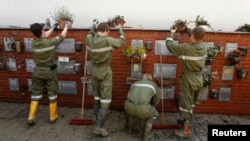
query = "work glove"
x=67 y=23
x=94 y=23
x=55 y=25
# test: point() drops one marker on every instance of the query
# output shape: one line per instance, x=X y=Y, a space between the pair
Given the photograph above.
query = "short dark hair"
x=103 y=27
x=198 y=33
x=36 y=29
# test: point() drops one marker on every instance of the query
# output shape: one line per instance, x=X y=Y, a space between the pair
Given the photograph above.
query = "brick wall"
x=238 y=103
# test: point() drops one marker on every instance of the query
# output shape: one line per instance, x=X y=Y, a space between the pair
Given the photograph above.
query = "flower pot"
x=119 y=22
x=61 y=24
x=134 y=60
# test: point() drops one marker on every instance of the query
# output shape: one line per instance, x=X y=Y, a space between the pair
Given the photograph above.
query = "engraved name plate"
x=27 y=44
x=90 y=88
x=208 y=44
x=13 y=83
x=30 y=65
x=168 y=92
x=7 y=43
x=168 y=70
x=230 y=47
x=136 y=43
x=224 y=94
x=161 y=48
x=203 y=94
x=29 y=81
x=66 y=67
x=88 y=68
x=67 y=87
x=67 y=46
x=11 y=64
x=136 y=70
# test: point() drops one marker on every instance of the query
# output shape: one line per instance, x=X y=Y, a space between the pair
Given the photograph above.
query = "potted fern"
x=62 y=14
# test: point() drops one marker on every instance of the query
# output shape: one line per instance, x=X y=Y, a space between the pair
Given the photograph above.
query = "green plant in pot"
x=119 y=20
x=211 y=53
x=234 y=57
x=135 y=53
x=62 y=14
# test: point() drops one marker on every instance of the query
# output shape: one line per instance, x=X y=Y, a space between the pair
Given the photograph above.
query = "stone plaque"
x=7 y=43
x=136 y=70
x=88 y=68
x=230 y=47
x=29 y=84
x=161 y=48
x=27 y=44
x=227 y=73
x=207 y=68
x=11 y=64
x=13 y=83
x=168 y=92
x=67 y=87
x=136 y=43
x=208 y=44
x=168 y=70
x=203 y=94
x=224 y=94
x=30 y=65
x=66 y=67
x=67 y=46
x=90 y=88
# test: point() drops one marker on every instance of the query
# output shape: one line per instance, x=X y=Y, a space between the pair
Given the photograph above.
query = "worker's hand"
x=67 y=23
x=119 y=27
x=55 y=25
x=94 y=23
x=173 y=30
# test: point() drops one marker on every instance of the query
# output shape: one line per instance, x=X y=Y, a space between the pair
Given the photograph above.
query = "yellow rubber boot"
x=53 y=112
x=32 y=112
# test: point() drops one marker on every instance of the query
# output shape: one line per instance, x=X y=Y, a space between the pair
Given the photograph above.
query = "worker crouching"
x=141 y=101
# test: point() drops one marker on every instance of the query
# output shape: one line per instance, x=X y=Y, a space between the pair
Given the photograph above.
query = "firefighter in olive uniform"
x=44 y=75
x=192 y=56
x=141 y=101
x=100 y=46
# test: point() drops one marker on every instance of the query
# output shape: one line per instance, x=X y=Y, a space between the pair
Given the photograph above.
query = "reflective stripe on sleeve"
x=194 y=58
x=99 y=49
x=44 y=49
x=170 y=39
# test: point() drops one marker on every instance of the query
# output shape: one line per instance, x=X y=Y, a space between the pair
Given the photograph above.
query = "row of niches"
x=223 y=93
x=69 y=67
x=69 y=45
x=65 y=87
x=231 y=50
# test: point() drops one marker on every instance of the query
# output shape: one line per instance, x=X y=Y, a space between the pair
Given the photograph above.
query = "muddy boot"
x=32 y=112
x=147 y=131
x=181 y=121
x=185 y=133
x=128 y=125
x=99 y=129
x=53 y=112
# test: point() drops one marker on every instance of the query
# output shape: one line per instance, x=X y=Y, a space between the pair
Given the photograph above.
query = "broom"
x=163 y=125
x=82 y=121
